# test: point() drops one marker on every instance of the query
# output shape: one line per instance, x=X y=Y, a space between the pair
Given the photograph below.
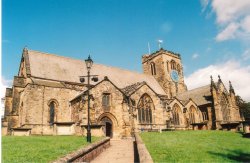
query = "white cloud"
x=230 y=70
x=229 y=32
x=230 y=10
x=245 y=24
x=195 y=55
x=4 y=84
x=246 y=55
x=232 y=18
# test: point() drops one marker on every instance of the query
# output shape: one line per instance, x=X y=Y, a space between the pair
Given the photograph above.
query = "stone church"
x=47 y=98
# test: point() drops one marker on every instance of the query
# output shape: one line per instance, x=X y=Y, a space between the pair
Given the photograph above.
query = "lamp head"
x=89 y=63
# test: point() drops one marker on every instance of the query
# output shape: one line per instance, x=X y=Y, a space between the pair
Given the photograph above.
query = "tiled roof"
x=132 y=88
x=200 y=96
x=50 y=66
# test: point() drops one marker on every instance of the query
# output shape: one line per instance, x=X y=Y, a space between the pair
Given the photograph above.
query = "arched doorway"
x=107 y=126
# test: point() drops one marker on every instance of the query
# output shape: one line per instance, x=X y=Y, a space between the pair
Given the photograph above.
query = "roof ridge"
x=118 y=68
x=198 y=88
x=56 y=55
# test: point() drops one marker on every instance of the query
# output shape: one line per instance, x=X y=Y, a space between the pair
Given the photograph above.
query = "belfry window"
x=52 y=112
x=178 y=68
x=106 y=100
x=145 y=107
x=173 y=65
x=153 y=70
x=167 y=66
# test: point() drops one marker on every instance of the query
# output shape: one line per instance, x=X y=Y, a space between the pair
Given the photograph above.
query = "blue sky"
x=116 y=32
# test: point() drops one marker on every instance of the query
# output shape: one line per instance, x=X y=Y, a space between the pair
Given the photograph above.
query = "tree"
x=244 y=107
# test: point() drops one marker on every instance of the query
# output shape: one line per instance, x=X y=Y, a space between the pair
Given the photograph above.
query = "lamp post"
x=89 y=63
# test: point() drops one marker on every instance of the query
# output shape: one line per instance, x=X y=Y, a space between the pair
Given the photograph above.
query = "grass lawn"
x=39 y=148
x=197 y=146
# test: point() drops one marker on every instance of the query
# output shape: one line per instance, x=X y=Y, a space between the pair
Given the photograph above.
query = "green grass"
x=39 y=148
x=197 y=146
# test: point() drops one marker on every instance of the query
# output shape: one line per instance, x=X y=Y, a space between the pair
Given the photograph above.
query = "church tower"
x=167 y=69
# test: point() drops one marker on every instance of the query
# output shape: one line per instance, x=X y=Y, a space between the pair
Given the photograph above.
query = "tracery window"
x=145 y=107
x=176 y=114
x=153 y=70
x=52 y=112
x=192 y=112
x=204 y=116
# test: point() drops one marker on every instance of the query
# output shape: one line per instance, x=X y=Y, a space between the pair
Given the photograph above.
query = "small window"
x=167 y=66
x=52 y=112
x=153 y=70
x=106 y=100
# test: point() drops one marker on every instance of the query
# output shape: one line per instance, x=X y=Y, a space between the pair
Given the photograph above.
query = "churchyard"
x=39 y=148
x=172 y=146
x=197 y=146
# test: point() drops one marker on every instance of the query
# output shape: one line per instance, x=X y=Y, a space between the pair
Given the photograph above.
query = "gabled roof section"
x=176 y=100
x=132 y=88
x=93 y=86
x=200 y=96
x=24 y=63
x=50 y=66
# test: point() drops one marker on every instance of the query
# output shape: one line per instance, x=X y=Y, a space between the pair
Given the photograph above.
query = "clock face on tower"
x=174 y=76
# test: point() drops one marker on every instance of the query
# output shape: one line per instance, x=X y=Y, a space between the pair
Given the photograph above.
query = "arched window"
x=145 y=107
x=192 y=113
x=224 y=108
x=204 y=116
x=153 y=70
x=173 y=65
x=176 y=114
x=52 y=112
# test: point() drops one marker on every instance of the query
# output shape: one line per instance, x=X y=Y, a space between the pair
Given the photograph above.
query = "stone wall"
x=157 y=113
x=162 y=62
x=86 y=154
x=117 y=112
x=35 y=103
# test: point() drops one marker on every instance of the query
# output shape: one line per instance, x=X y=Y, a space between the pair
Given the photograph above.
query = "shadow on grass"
x=247 y=135
x=234 y=155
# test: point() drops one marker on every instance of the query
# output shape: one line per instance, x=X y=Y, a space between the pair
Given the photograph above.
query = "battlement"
x=147 y=57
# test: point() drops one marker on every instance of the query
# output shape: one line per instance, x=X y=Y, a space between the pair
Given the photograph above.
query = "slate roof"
x=132 y=88
x=54 y=67
x=200 y=96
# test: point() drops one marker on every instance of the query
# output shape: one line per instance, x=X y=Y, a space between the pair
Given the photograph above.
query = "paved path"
x=120 y=151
